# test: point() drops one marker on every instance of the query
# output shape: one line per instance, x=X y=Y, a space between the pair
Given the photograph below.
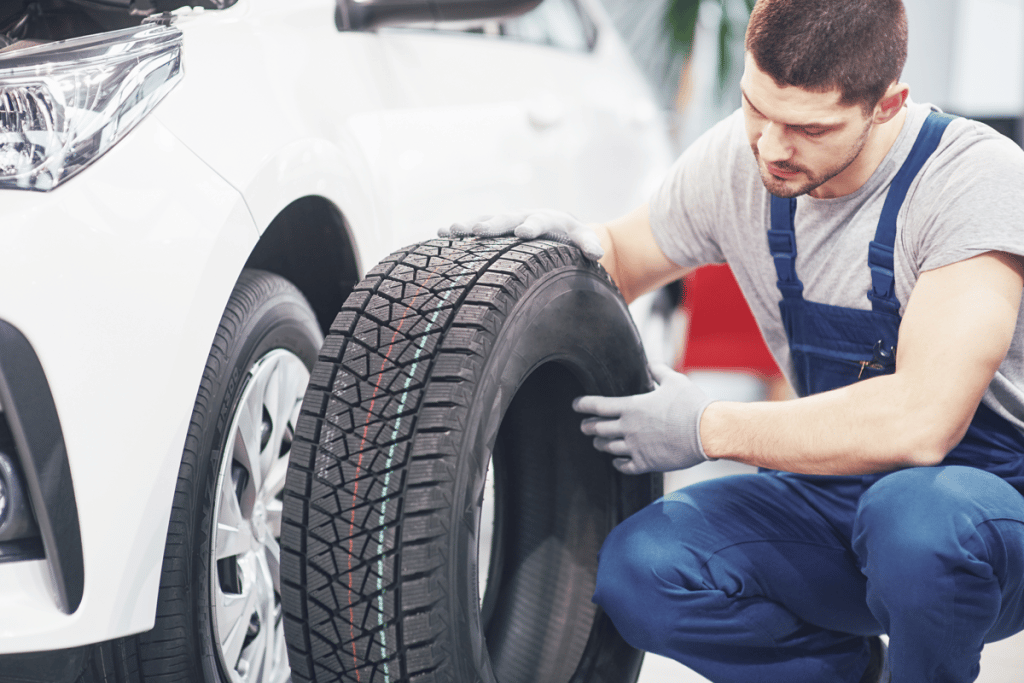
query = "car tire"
x=218 y=617
x=451 y=360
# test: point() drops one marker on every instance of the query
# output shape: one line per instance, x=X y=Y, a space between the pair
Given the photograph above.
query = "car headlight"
x=63 y=104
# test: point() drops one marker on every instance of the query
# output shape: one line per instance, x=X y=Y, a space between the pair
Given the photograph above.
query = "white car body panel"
x=119 y=293
x=119 y=277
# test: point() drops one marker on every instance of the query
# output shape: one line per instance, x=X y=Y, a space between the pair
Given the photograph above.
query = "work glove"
x=529 y=225
x=654 y=432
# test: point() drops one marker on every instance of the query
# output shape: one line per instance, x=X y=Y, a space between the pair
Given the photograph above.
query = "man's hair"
x=857 y=47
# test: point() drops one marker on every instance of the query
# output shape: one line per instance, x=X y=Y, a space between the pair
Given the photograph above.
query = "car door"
x=612 y=144
x=536 y=111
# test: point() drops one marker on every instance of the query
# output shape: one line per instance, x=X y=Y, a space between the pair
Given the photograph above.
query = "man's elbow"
x=925 y=455
x=929 y=440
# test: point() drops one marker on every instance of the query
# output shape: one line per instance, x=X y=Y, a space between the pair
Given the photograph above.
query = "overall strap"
x=782 y=245
x=880 y=251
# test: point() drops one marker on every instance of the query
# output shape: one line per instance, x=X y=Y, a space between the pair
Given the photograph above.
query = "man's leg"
x=943 y=551
x=744 y=579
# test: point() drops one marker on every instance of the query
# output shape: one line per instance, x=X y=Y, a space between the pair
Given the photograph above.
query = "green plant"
x=681 y=20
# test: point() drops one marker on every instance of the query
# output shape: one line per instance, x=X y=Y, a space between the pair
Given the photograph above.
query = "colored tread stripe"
x=387 y=477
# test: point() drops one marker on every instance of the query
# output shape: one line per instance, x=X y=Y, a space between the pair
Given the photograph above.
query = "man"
x=891 y=496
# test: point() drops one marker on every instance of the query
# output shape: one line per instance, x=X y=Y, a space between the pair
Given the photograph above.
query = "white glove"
x=654 y=432
x=529 y=225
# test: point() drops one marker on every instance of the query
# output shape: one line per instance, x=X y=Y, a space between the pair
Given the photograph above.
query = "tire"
x=218 y=610
x=453 y=359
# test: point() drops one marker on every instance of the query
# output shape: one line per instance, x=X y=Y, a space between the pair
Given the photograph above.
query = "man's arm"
x=632 y=257
x=957 y=329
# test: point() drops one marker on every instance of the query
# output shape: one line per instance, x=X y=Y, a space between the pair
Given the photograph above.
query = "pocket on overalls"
x=821 y=369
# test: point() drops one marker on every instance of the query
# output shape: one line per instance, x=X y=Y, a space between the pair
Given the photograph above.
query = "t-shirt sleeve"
x=685 y=208
x=969 y=201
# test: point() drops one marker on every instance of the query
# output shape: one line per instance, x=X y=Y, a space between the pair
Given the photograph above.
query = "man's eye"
x=813 y=133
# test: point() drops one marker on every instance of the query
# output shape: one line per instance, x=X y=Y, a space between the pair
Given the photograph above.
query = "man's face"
x=804 y=142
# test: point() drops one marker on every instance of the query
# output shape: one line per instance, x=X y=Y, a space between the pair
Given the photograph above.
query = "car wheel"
x=219 y=609
x=442 y=400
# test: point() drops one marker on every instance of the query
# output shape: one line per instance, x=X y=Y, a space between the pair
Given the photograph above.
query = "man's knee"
x=914 y=528
x=639 y=572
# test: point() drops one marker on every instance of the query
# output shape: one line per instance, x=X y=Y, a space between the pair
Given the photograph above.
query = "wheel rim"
x=248 y=627
x=488 y=529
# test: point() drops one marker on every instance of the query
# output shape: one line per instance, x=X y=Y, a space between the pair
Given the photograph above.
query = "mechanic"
x=890 y=495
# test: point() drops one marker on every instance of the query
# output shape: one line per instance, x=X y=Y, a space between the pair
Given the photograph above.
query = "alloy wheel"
x=245 y=582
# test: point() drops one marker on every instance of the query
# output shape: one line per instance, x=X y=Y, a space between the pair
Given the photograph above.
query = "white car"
x=187 y=195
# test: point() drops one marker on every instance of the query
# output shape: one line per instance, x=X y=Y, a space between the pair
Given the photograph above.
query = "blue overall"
x=782 y=578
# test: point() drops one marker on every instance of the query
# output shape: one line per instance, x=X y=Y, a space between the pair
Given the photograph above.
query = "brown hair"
x=857 y=47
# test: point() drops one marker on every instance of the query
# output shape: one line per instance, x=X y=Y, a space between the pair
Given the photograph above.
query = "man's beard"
x=781 y=188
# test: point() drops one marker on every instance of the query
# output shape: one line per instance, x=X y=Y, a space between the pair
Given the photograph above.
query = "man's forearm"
x=955 y=333
x=872 y=426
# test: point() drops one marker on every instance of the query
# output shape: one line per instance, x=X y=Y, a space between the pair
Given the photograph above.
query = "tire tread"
x=394 y=332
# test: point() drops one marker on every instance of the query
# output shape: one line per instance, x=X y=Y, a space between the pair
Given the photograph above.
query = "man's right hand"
x=543 y=223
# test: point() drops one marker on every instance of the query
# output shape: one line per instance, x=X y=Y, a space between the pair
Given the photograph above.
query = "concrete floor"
x=1001 y=662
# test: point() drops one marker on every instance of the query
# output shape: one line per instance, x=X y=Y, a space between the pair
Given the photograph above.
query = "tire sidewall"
x=547 y=324
x=249 y=330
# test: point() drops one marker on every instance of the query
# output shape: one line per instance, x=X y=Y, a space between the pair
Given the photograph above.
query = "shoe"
x=878 y=666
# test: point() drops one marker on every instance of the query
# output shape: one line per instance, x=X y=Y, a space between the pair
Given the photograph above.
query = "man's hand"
x=654 y=432
x=529 y=225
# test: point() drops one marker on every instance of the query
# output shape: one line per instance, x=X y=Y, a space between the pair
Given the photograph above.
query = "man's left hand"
x=654 y=432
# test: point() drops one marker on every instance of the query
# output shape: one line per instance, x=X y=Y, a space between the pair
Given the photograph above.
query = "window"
x=558 y=23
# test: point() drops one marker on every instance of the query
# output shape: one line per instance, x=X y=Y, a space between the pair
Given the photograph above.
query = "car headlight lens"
x=62 y=105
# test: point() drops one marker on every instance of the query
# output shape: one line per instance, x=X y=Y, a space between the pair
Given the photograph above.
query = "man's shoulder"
x=967 y=198
x=977 y=148
x=731 y=135
x=721 y=159
x=712 y=194
x=725 y=140
x=972 y=159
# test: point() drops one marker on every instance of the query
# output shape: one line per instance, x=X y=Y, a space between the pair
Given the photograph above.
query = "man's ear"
x=894 y=99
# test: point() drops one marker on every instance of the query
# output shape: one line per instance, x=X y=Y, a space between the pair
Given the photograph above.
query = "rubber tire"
x=449 y=352
x=265 y=312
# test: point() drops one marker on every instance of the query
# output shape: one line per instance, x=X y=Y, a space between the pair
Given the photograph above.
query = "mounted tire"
x=219 y=611
x=453 y=359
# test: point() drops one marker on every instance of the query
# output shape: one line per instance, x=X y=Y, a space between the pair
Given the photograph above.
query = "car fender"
x=121 y=317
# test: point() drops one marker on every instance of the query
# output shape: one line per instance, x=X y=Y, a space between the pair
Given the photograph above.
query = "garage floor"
x=1002 y=662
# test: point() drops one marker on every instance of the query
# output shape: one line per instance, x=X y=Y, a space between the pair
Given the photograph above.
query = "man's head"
x=820 y=80
x=855 y=47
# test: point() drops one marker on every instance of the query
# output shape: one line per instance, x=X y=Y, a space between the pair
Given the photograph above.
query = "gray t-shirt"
x=967 y=199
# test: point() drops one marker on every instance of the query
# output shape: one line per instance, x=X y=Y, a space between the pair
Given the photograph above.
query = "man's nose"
x=773 y=145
